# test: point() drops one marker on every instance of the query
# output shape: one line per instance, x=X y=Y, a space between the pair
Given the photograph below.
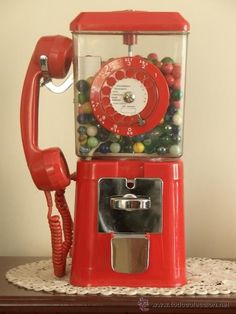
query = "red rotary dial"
x=129 y=96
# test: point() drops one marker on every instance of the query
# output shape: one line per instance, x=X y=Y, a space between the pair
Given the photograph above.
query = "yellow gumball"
x=87 y=107
x=90 y=80
x=138 y=147
x=83 y=139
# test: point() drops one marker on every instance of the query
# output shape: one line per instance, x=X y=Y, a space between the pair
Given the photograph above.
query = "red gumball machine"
x=129 y=78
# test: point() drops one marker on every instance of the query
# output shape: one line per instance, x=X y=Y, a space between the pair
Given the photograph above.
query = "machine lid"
x=129 y=20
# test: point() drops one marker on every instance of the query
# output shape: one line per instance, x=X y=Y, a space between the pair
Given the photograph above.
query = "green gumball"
x=92 y=142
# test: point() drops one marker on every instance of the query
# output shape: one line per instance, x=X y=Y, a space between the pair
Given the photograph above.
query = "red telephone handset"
x=48 y=167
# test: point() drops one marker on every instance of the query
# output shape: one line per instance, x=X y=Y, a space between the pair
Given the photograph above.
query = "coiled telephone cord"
x=60 y=246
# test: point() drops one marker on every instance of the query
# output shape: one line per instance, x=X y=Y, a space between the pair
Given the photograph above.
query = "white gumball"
x=92 y=130
x=175 y=150
x=177 y=119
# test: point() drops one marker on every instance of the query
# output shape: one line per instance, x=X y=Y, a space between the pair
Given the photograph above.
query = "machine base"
x=92 y=257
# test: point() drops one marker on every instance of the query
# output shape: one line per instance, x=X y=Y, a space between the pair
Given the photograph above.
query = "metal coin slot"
x=130 y=202
x=130 y=184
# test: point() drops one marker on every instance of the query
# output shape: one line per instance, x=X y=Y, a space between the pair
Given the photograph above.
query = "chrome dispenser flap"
x=129 y=253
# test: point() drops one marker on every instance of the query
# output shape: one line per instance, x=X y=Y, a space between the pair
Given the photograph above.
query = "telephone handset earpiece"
x=48 y=167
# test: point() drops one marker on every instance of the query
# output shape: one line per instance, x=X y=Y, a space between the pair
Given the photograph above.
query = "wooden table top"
x=15 y=300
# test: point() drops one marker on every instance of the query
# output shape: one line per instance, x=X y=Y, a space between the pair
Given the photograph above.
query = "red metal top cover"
x=129 y=20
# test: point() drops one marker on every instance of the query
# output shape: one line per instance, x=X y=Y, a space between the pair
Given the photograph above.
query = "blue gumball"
x=104 y=148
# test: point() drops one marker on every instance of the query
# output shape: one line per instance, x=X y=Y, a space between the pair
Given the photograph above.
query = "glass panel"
x=129 y=94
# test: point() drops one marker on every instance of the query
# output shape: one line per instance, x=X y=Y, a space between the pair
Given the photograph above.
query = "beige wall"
x=210 y=129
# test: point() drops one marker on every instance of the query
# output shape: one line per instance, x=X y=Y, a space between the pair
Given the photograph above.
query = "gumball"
x=171 y=109
x=170 y=79
x=138 y=138
x=90 y=118
x=167 y=68
x=83 y=98
x=153 y=61
x=177 y=104
x=156 y=132
x=84 y=150
x=170 y=89
x=138 y=147
x=167 y=60
x=176 y=70
x=127 y=148
x=114 y=137
x=177 y=84
x=92 y=141
x=152 y=55
x=168 y=118
x=161 y=150
x=150 y=149
x=83 y=139
x=149 y=146
x=115 y=148
x=176 y=94
x=168 y=129
x=175 y=150
x=103 y=134
x=87 y=108
x=127 y=145
x=90 y=80
x=80 y=109
x=104 y=148
x=165 y=139
x=177 y=119
x=175 y=129
x=159 y=64
x=82 y=86
x=92 y=130
x=147 y=142
x=82 y=130
x=176 y=138
x=82 y=118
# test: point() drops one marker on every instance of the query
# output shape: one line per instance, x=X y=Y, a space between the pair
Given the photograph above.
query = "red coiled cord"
x=60 y=248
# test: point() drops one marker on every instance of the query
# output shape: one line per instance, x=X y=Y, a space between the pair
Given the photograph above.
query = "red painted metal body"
x=91 y=262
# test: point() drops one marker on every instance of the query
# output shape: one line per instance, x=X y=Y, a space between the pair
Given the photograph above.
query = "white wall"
x=210 y=128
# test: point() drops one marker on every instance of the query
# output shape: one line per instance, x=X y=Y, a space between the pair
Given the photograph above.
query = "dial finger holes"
x=140 y=76
x=105 y=101
x=106 y=90
x=110 y=111
x=148 y=82
x=120 y=75
x=111 y=81
x=130 y=73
